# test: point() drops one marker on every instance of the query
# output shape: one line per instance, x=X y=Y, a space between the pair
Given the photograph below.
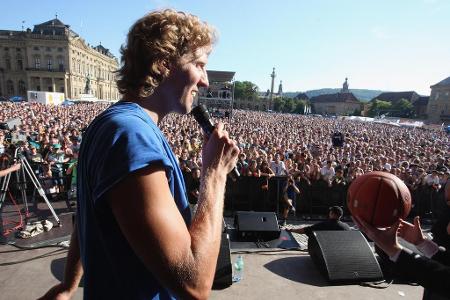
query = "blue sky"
x=394 y=45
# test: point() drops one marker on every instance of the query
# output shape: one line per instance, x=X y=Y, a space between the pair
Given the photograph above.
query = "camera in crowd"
x=337 y=139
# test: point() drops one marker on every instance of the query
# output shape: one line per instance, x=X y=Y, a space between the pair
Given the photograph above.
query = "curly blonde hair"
x=154 y=43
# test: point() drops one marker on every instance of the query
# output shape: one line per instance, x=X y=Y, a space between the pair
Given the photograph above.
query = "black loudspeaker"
x=224 y=270
x=344 y=256
x=256 y=226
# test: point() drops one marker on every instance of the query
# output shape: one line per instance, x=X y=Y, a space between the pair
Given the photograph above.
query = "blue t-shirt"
x=119 y=141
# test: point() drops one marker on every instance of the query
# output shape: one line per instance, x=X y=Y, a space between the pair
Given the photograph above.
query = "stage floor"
x=276 y=275
x=269 y=273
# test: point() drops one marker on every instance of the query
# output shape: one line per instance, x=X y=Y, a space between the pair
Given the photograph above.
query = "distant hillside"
x=361 y=94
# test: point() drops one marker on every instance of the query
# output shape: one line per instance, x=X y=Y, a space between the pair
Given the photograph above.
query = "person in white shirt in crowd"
x=327 y=172
x=278 y=166
x=432 y=180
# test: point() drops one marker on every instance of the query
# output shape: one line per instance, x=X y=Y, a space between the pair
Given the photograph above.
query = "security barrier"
x=262 y=194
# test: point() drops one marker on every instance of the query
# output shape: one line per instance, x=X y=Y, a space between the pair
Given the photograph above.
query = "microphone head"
x=200 y=113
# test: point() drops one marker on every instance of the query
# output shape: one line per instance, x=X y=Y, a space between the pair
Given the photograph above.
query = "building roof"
x=445 y=82
x=220 y=76
x=103 y=50
x=52 y=27
x=54 y=22
x=301 y=96
x=397 y=96
x=333 y=98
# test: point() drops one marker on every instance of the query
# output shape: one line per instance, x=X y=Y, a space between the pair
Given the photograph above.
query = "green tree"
x=356 y=112
x=403 y=108
x=245 y=90
x=300 y=107
x=278 y=105
x=379 y=107
x=289 y=105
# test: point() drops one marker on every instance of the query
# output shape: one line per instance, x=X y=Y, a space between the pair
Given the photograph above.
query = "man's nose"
x=204 y=82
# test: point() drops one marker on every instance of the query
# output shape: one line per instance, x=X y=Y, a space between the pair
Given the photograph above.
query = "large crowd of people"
x=137 y=150
x=271 y=144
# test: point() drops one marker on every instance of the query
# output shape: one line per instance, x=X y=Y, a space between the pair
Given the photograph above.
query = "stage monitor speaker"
x=224 y=270
x=256 y=226
x=344 y=256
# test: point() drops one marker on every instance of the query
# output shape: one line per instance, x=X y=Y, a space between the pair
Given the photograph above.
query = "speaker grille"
x=223 y=275
x=344 y=256
x=256 y=226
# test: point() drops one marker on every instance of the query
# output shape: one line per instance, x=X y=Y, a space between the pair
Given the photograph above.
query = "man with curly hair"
x=135 y=238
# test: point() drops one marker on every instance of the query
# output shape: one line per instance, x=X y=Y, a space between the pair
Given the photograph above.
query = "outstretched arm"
x=297 y=230
x=9 y=170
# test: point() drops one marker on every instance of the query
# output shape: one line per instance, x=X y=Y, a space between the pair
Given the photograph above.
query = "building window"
x=8 y=63
x=18 y=50
x=37 y=62
x=49 y=64
x=60 y=49
x=10 y=88
x=48 y=49
x=36 y=48
x=38 y=88
x=50 y=88
x=61 y=64
x=20 y=64
x=22 y=88
x=61 y=89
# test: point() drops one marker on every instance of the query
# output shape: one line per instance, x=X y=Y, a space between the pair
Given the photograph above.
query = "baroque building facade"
x=54 y=58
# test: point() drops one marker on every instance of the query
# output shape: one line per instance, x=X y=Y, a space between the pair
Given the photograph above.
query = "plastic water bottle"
x=238 y=269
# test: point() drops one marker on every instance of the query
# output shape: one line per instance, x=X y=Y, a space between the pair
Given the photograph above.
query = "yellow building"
x=338 y=104
x=438 y=109
x=54 y=58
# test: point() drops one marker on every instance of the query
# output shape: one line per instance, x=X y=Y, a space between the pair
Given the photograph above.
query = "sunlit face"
x=186 y=78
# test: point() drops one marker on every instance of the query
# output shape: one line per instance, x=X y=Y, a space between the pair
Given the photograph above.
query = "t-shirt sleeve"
x=133 y=145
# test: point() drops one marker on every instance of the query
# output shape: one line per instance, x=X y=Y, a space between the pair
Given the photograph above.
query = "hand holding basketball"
x=379 y=198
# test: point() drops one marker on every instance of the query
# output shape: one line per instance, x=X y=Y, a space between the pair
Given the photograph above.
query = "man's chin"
x=183 y=109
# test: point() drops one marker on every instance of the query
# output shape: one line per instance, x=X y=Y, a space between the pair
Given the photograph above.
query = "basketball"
x=379 y=198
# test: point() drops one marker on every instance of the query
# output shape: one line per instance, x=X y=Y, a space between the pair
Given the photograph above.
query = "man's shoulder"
x=343 y=225
x=120 y=114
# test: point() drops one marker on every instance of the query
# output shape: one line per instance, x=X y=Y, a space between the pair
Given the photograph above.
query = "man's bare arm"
x=72 y=273
x=183 y=259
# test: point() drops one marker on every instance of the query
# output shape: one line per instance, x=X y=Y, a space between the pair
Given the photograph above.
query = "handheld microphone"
x=201 y=115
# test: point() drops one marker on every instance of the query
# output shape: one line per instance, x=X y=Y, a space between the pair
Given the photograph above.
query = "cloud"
x=380 y=33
